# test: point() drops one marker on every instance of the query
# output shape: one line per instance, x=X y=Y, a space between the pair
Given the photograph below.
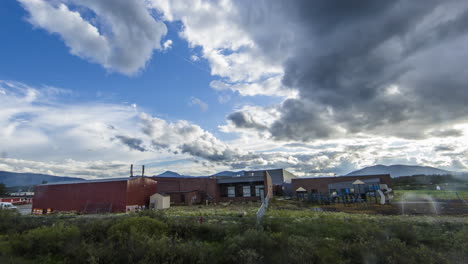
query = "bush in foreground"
x=152 y=238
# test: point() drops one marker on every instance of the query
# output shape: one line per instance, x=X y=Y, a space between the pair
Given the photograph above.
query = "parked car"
x=7 y=206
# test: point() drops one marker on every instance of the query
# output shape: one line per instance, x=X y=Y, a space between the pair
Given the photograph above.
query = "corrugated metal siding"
x=175 y=184
x=139 y=190
x=78 y=196
x=75 y=197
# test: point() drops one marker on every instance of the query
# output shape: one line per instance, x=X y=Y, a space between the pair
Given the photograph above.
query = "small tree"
x=3 y=190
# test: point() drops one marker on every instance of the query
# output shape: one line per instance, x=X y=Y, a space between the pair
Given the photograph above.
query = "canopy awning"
x=300 y=189
x=358 y=182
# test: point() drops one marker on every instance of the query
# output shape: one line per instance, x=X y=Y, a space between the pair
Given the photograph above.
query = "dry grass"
x=231 y=210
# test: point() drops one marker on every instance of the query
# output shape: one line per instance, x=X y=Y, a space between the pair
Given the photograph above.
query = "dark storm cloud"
x=106 y=167
x=190 y=139
x=447 y=133
x=132 y=143
x=158 y=145
x=388 y=68
x=443 y=148
x=245 y=120
x=215 y=155
x=301 y=121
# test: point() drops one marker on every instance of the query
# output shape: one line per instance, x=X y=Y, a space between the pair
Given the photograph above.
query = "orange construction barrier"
x=37 y=211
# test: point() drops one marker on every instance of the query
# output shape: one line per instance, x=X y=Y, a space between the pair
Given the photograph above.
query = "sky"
x=88 y=87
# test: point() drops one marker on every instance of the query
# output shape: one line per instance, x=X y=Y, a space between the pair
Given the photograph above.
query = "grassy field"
x=440 y=195
x=280 y=208
x=160 y=237
x=298 y=209
x=231 y=210
x=359 y=214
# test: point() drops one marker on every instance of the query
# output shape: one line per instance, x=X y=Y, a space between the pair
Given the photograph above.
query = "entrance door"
x=231 y=191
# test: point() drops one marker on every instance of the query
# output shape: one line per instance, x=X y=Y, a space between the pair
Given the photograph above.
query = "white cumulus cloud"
x=121 y=36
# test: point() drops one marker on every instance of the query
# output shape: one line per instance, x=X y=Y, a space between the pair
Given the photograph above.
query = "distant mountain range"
x=11 y=179
x=393 y=170
x=219 y=174
x=230 y=173
x=399 y=170
x=172 y=174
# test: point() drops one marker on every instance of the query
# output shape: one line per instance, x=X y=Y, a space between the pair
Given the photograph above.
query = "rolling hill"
x=229 y=173
x=399 y=170
x=27 y=179
x=172 y=174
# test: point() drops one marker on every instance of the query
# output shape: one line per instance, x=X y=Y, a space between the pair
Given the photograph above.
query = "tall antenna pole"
x=143 y=170
x=131 y=170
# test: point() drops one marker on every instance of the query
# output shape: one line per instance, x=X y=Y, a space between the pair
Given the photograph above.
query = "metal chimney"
x=143 y=170
x=131 y=170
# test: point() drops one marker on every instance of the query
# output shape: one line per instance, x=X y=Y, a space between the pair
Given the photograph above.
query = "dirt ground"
x=24 y=209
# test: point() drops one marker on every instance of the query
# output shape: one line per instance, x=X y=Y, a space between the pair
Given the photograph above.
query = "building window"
x=246 y=191
x=257 y=189
x=231 y=191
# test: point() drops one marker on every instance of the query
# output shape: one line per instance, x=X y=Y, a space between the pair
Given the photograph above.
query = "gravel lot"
x=24 y=209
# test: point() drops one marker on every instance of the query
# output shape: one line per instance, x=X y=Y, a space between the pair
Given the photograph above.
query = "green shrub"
x=129 y=240
x=50 y=243
x=153 y=238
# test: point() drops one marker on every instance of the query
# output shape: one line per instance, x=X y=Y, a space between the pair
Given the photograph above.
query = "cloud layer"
x=369 y=68
x=42 y=134
x=360 y=83
x=397 y=68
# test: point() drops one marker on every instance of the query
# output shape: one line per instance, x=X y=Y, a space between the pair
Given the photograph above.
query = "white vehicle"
x=7 y=206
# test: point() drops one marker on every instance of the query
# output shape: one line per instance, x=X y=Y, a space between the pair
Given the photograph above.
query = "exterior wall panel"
x=239 y=190
x=75 y=197
x=206 y=186
x=139 y=190
x=268 y=185
x=115 y=195
x=287 y=176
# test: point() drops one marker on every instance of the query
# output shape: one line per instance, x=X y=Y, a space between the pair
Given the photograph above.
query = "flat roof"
x=246 y=172
x=341 y=176
x=169 y=192
x=234 y=179
x=95 y=181
x=365 y=181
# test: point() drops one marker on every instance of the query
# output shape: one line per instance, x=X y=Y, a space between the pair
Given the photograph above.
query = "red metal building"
x=192 y=190
x=323 y=184
x=108 y=195
x=17 y=200
x=188 y=190
x=245 y=188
